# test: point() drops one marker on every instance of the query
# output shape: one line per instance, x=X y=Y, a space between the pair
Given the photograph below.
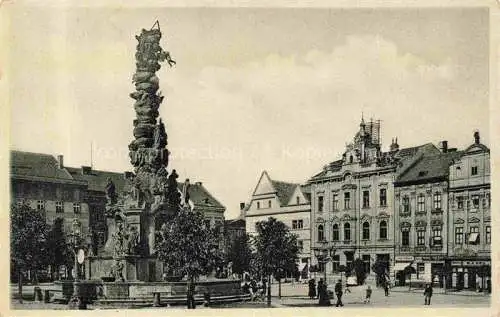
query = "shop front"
x=472 y=274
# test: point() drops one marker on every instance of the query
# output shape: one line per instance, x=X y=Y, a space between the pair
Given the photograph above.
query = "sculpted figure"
x=111 y=192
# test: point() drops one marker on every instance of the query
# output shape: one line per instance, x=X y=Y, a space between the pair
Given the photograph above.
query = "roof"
x=284 y=191
x=37 y=165
x=306 y=191
x=428 y=168
x=200 y=196
x=235 y=222
x=97 y=180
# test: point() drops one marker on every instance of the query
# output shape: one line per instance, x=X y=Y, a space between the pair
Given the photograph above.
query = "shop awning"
x=400 y=266
x=473 y=237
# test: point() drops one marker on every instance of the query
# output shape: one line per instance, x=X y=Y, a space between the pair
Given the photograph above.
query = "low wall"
x=129 y=290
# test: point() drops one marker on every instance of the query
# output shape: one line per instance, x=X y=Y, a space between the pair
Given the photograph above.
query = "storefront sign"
x=456 y=263
x=404 y=258
x=475 y=263
x=433 y=258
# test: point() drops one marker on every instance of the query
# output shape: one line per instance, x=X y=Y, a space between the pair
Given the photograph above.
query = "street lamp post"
x=76 y=240
x=324 y=255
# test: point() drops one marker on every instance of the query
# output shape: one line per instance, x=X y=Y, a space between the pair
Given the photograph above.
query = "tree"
x=380 y=270
x=240 y=254
x=186 y=246
x=58 y=251
x=28 y=240
x=360 y=272
x=276 y=248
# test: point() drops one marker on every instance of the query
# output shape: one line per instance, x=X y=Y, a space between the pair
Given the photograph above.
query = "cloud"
x=293 y=114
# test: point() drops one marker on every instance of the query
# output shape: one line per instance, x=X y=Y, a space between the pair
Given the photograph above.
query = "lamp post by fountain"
x=76 y=240
x=324 y=254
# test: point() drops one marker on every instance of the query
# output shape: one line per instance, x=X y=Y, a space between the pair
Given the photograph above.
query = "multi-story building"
x=421 y=216
x=352 y=207
x=44 y=182
x=288 y=203
x=234 y=228
x=469 y=246
x=80 y=193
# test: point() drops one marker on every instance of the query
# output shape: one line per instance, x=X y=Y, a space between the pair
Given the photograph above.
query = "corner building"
x=352 y=207
x=469 y=246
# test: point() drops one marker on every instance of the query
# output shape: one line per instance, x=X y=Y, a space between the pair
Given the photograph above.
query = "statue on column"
x=111 y=192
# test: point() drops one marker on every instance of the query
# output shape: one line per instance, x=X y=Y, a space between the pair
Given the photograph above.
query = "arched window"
x=335 y=232
x=366 y=231
x=383 y=229
x=321 y=233
x=347 y=231
x=351 y=159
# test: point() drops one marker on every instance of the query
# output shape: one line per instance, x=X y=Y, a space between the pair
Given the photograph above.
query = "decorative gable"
x=297 y=197
x=366 y=217
x=459 y=221
x=264 y=186
x=474 y=220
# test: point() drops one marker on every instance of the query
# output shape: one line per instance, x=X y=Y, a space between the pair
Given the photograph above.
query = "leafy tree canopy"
x=28 y=238
x=276 y=248
x=240 y=254
x=186 y=246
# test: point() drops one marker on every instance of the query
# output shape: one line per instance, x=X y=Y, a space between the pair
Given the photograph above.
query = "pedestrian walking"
x=312 y=289
x=338 y=292
x=319 y=288
x=386 y=288
x=368 y=294
x=428 y=294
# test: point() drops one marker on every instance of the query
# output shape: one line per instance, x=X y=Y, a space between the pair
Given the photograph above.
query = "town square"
x=255 y=158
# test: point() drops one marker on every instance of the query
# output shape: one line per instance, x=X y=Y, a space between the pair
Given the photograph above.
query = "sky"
x=276 y=89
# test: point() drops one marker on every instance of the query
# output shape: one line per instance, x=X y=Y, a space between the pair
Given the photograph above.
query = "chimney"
x=60 y=161
x=394 y=145
x=444 y=146
x=242 y=206
x=476 y=137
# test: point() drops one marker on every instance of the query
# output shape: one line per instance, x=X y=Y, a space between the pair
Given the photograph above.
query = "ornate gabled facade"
x=287 y=202
x=469 y=246
x=421 y=214
x=352 y=206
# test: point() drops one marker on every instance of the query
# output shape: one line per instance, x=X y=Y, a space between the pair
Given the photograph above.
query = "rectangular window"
x=406 y=204
x=421 y=203
x=268 y=204
x=349 y=258
x=436 y=236
x=335 y=263
x=473 y=170
x=459 y=235
x=366 y=262
x=421 y=237
x=335 y=201
x=473 y=235
x=475 y=201
x=420 y=268
x=460 y=202
x=366 y=199
x=405 y=238
x=383 y=197
x=320 y=203
x=40 y=205
x=297 y=224
x=77 y=208
x=298 y=200
x=258 y=205
x=487 y=234
x=300 y=245
x=347 y=200
x=437 y=201
x=59 y=207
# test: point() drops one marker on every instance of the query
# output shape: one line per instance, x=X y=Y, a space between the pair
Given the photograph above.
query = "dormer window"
x=422 y=173
x=351 y=159
x=473 y=170
x=298 y=200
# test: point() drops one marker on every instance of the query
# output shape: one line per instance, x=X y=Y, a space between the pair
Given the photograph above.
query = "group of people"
x=321 y=292
x=257 y=290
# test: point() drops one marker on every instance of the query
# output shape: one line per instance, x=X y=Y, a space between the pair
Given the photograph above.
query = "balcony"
x=421 y=248
x=405 y=249
x=404 y=214
x=437 y=211
x=347 y=241
x=437 y=248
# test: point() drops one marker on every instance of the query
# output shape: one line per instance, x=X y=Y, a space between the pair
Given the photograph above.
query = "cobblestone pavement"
x=296 y=296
